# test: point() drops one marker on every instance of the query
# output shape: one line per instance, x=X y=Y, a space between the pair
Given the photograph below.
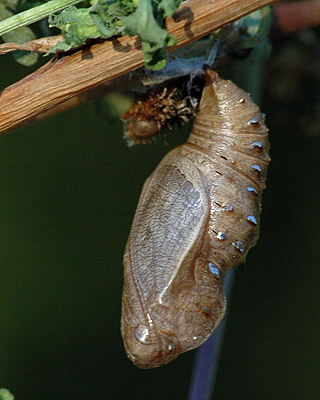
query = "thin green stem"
x=33 y=15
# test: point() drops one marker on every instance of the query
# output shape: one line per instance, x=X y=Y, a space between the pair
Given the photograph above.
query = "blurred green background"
x=69 y=187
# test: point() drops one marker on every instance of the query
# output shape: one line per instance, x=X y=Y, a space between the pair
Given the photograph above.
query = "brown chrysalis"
x=197 y=217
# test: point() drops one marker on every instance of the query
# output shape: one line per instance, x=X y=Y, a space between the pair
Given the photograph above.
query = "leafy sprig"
x=104 y=18
x=107 y=18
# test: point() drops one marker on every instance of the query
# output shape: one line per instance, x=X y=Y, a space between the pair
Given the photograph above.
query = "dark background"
x=69 y=187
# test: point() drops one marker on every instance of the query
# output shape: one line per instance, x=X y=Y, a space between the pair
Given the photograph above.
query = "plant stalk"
x=34 y=14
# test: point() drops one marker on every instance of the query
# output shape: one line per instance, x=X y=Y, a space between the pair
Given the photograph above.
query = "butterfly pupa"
x=197 y=217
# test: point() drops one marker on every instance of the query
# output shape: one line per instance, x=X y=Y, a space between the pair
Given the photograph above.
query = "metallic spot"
x=252 y=219
x=252 y=190
x=207 y=311
x=238 y=245
x=256 y=167
x=256 y=145
x=215 y=270
x=228 y=208
x=253 y=121
x=221 y=236
x=171 y=346
x=141 y=333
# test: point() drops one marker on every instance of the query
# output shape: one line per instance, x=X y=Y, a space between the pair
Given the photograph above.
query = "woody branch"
x=63 y=78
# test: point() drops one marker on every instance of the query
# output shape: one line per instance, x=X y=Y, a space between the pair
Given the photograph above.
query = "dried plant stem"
x=64 y=78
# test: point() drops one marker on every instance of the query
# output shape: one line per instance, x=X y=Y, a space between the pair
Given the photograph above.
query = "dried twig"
x=41 y=45
x=65 y=77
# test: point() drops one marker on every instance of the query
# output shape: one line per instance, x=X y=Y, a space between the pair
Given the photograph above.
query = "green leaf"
x=153 y=38
x=143 y=24
x=60 y=46
x=109 y=17
x=76 y=27
x=154 y=60
x=168 y=7
x=6 y=395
